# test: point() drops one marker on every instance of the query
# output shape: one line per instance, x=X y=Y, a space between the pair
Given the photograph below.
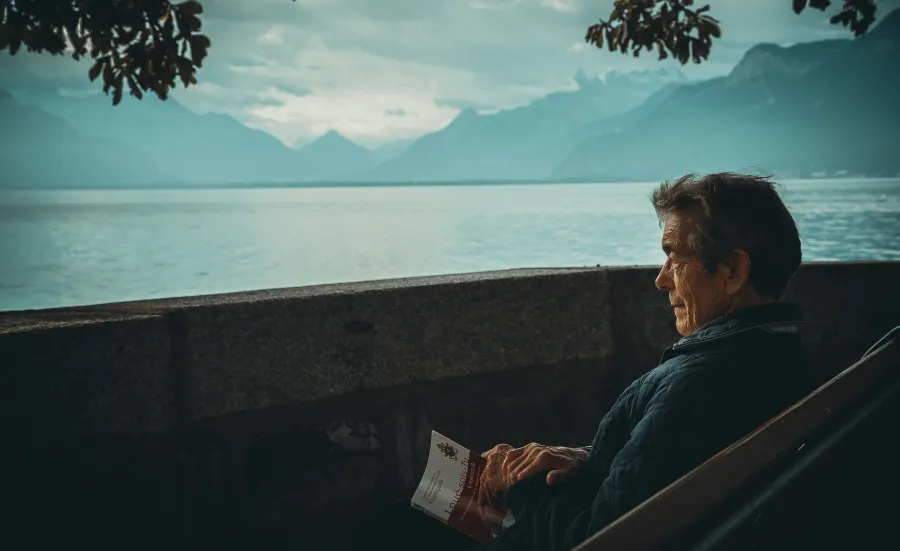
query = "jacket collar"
x=776 y=317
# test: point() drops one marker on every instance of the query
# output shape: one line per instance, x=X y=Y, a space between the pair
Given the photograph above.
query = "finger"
x=493 y=465
x=499 y=448
x=538 y=457
x=484 y=490
x=514 y=453
x=513 y=457
x=541 y=462
x=557 y=476
x=526 y=457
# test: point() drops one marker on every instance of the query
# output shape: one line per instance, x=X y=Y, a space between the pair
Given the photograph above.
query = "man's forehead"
x=674 y=229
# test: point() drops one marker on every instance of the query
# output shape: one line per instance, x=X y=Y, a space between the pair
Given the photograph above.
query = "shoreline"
x=411 y=184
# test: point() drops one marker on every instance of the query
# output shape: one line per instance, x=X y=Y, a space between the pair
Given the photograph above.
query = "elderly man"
x=731 y=248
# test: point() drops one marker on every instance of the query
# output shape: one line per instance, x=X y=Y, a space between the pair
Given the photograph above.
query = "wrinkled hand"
x=507 y=465
x=529 y=460
x=492 y=480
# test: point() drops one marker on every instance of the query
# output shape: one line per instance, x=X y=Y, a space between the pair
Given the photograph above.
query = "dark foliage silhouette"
x=148 y=45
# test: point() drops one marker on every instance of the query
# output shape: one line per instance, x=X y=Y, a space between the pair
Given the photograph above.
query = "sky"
x=385 y=70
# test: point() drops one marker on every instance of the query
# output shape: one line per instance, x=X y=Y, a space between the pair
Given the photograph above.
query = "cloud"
x=298 y=69
x=461 y=104
x=272 y=37
x=560 y=5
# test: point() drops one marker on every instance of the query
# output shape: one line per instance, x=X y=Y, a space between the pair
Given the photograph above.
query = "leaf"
x=799 y=5
x=95 y=70
x=190 y=24
x=200 y=40
x=191 y=7
x=135 y=88
x=662 y=51
x=15 y=42
x=820 y=5
x=117 y=95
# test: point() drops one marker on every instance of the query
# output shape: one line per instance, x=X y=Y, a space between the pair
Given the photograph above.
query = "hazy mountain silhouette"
x=206 y=149
x=333 y=156
x=546 y=157
x=212 y=148
x=390 y=150
x=829 y=106
x=521 y=142
x=38 y=149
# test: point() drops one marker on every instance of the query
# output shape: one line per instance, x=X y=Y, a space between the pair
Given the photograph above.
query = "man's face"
x=696 y=296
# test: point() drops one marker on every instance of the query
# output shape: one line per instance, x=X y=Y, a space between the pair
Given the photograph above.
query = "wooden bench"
x=712 y=506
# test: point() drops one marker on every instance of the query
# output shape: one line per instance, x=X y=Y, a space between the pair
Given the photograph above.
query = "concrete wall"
x=206 y=419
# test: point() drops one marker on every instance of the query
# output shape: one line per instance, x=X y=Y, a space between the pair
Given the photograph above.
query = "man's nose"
x=664 y=280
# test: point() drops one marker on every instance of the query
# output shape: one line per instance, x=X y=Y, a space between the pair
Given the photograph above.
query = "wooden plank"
x=666 y=515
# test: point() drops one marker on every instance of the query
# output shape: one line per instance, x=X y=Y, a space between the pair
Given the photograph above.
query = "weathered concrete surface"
x=848 y=306
x=68 y=375
x=276 y=348
x=220 y=403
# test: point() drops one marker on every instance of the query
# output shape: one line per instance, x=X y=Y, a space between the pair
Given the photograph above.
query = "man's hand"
x=492 y=480
x=526 y=461
x=507 y=465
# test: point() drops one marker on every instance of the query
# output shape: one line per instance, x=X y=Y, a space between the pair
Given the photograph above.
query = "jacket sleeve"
x=556 y=520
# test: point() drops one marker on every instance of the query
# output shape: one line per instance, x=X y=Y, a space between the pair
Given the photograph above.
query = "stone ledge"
x=69 y=375
x=275 y=348
x=160 y=306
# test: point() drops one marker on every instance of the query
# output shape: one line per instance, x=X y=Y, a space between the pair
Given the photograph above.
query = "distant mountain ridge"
x=829 y=106
x=333 y=156
x=210 y=148
x=820 y=107
x=520 y=142
x=38 y=149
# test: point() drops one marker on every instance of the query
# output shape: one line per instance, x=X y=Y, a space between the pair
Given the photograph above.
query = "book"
x=448 y=491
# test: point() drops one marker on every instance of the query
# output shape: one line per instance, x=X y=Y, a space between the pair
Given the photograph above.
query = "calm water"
x=65 y=248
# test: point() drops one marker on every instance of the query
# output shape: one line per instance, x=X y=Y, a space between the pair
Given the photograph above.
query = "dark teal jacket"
x=711 y=388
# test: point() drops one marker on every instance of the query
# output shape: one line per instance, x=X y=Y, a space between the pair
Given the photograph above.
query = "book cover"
x=448 y=491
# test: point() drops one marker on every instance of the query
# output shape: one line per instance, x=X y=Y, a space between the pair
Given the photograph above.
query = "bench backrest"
x=681 y=505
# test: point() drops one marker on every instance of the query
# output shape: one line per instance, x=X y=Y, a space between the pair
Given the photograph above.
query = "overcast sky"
x=381 y=70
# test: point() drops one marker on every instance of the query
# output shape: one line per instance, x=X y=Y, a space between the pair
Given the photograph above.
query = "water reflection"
x=62 y=248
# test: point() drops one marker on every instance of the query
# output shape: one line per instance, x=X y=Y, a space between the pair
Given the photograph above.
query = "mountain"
x=205 y=149
x=201 y=149
x=333 y=156
x=827 y=106
x=511 y=144
x=551 y=155
x=38 y=149
x=390 y=150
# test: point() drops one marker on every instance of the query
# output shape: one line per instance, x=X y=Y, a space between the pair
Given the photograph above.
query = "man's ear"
x=737 y=271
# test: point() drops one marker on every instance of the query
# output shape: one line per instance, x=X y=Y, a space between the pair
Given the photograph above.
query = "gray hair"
x=736 y=211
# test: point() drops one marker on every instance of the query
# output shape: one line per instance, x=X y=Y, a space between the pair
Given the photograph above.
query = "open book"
x=449 y=491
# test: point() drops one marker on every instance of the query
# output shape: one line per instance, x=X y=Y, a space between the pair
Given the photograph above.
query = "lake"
x=67 y=248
